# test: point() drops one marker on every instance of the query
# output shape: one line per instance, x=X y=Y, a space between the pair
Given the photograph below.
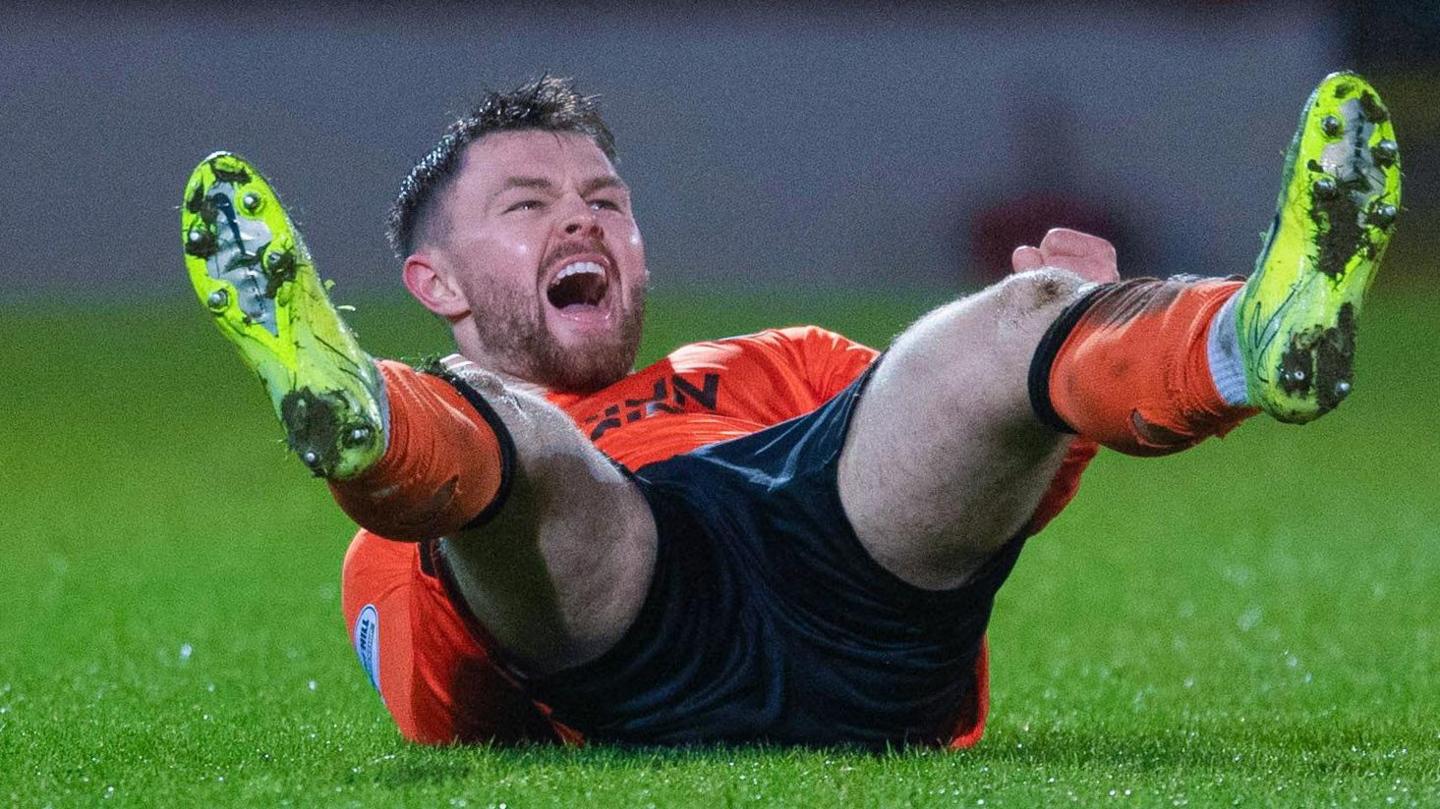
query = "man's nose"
x=580 y=221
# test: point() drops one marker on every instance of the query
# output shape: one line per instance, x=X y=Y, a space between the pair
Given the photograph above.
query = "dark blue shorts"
x=767 y=620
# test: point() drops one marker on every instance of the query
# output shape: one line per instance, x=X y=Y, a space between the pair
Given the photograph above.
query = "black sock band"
x=502 y=437
x=1044 y=358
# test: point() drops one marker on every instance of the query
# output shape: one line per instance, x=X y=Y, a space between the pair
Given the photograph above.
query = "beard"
x=510 y=325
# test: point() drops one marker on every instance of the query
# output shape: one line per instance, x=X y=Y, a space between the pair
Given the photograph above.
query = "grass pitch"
x=1252 y=622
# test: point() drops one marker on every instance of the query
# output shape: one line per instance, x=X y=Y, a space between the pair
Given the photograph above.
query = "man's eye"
x=604 y=205
x=524 y=205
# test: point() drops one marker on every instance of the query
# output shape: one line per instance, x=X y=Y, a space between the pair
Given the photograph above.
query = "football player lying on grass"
x=784 y=537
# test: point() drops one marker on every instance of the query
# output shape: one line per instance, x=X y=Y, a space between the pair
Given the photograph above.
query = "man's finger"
x=1067 y=242
x=1026 y=258
x=1089 y=257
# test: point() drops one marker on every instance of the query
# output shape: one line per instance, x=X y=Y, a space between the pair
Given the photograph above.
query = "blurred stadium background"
x=866 y=143
x=1250 y=622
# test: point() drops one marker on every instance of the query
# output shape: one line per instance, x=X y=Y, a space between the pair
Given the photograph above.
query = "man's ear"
x=433 y=287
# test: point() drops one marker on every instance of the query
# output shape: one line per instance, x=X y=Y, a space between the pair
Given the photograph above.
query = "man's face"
x=540 y=239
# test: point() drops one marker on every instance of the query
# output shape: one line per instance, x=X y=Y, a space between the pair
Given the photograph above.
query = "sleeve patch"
x=367 y=643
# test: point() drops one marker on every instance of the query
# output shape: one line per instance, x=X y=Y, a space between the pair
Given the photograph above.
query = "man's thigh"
x=945 y=462
x=560 y=568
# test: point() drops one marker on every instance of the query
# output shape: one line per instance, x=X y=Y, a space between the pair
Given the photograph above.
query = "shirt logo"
x=367 y=644
x=669 y=396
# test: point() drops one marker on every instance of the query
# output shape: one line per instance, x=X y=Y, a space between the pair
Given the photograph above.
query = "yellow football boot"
x=252 y=271
x=1340 y=195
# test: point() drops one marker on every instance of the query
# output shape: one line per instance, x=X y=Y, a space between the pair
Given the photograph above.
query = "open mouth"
x=579 y=288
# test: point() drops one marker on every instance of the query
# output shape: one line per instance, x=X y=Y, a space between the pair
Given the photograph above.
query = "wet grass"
x=1252 y=622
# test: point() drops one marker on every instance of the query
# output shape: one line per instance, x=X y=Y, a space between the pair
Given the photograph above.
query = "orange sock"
x=447 y=464
x=1127 y=367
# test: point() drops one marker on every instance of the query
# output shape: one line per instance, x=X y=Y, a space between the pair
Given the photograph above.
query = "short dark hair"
x=548 y=104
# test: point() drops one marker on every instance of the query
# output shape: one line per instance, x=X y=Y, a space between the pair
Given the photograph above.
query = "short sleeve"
x=829 y=361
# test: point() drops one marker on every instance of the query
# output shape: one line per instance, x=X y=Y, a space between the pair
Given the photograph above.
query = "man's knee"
x=973 y=357
x=1043 y=292
x=988 y=336
x=995 y=331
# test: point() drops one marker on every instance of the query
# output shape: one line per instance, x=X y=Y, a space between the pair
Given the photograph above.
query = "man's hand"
x=1089 y=257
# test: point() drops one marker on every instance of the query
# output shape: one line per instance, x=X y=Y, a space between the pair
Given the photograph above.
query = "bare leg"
x=560 y=570
x=945 y=460
x=934 y=492
x=563 y=569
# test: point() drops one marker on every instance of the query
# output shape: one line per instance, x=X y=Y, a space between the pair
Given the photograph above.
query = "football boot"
x=1298 y=313
x=253 y=274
